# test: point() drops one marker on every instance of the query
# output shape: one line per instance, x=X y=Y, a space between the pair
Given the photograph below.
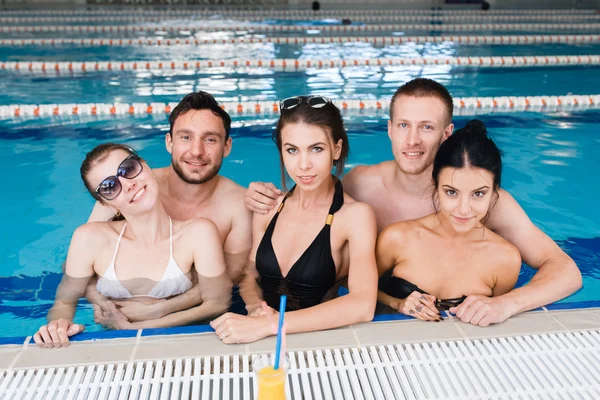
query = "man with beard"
x=191 y=187
x=401 y=190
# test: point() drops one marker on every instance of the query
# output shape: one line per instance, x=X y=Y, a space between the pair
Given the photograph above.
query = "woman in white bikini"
x=143 y=257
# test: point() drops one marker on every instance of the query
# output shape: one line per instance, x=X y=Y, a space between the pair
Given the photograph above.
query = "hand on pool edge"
x=56 y=334
x=483 y=311
x=235 y=328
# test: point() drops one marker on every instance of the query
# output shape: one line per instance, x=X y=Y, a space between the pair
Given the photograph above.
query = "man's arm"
x=249 y=289
x=238 y=242
x=557 y=277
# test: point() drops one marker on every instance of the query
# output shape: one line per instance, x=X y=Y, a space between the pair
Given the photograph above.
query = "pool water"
x=551 y=163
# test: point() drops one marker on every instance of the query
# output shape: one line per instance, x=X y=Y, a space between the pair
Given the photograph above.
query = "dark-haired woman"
x=144 y=257
x=434 y=262
x=316 y=238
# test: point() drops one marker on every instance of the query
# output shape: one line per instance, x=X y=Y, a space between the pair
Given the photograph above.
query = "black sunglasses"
x=313 y=101
x=111 y=187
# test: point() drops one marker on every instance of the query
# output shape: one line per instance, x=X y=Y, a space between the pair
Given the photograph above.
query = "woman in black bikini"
x=316 y=238
x=434 y=262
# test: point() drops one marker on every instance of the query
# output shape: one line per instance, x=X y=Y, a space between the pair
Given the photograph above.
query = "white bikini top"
x=172 y=283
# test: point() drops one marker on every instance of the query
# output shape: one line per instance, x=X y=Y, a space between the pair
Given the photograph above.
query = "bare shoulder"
x=504 y=252
x=197 y=226
x=364 y=174
x=94 y=235
x=231 y=193
x=400 y=232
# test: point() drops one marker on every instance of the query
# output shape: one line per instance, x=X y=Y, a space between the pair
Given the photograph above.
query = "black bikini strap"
x=336 y=204
x=338 y=200
x=288 y=194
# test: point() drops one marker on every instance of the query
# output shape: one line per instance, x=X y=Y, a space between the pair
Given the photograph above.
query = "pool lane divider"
x=294 y=28
x=375 y=40
x=465 y=105
x=55 y=68
x=358 y=18
x=240 y=12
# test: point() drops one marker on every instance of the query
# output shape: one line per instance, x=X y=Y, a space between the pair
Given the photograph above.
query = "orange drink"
x=270 y=381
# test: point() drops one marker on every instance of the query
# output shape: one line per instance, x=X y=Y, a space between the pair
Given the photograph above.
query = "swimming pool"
x=546 y=155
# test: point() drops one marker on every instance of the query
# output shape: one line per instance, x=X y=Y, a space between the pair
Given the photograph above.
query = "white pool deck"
x=536 y=355
x=159 y=347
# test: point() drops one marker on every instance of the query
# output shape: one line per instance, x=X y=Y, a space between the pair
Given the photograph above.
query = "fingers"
x=417 y=305
x=466 y=313
x=429 y=305
x=43 y=337
x=75 y=329
x=217 y=322
x=61 y=331
x=423 y=313
x=479 y=315
x=261 y=197
x=53 y=331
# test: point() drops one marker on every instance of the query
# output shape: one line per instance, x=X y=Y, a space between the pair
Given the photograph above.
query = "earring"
x=118 y=213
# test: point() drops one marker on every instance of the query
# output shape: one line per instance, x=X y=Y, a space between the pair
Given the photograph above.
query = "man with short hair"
x=191 y=187
x=401 y=189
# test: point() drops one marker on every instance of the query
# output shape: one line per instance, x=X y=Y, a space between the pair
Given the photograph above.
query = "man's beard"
x=196 y=180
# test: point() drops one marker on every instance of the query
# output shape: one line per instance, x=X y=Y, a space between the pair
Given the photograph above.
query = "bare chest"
x=395 y=207
x=447 y=271
x=183 y=212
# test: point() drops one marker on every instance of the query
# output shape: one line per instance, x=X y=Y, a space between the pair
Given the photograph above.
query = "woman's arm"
x=213 y=280
x=249 y=288
x=386 y=253
x=358 y=305
x=78 y=272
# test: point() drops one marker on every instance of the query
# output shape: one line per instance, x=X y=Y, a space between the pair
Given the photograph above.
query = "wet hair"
x=328 y=117
x=423 y=87
x=470 y=147
x=97 y=155
x=200 y=101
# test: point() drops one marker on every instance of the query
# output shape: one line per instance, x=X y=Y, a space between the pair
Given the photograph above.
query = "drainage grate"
x=551 y=366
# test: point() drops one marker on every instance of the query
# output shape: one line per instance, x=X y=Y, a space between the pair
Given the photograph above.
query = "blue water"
x=551 y=160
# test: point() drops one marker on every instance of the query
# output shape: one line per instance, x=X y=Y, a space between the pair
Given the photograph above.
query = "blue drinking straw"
x=279 y=329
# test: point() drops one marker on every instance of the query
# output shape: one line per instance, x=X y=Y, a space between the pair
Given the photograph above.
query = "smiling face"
x=308 y=153
x=137 y=195
x=464 y=196
x=419 y=126
x=198 y=145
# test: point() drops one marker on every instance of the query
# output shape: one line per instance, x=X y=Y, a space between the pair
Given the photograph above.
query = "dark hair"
x=97 y=155
x=327 y=117
x=200 y=101
x=469 y=147
x=423 y=87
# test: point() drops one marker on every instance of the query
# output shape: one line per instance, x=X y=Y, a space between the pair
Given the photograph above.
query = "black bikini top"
x=401 y=288
x=311 y=276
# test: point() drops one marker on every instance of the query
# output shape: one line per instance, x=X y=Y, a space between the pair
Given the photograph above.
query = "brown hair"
x=423 y=87
x=328 y=117
x=200 y=101
x=97 y=155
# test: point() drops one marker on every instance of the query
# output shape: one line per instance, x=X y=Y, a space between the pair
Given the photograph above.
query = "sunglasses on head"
x=313 y=101
x=111 y=187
